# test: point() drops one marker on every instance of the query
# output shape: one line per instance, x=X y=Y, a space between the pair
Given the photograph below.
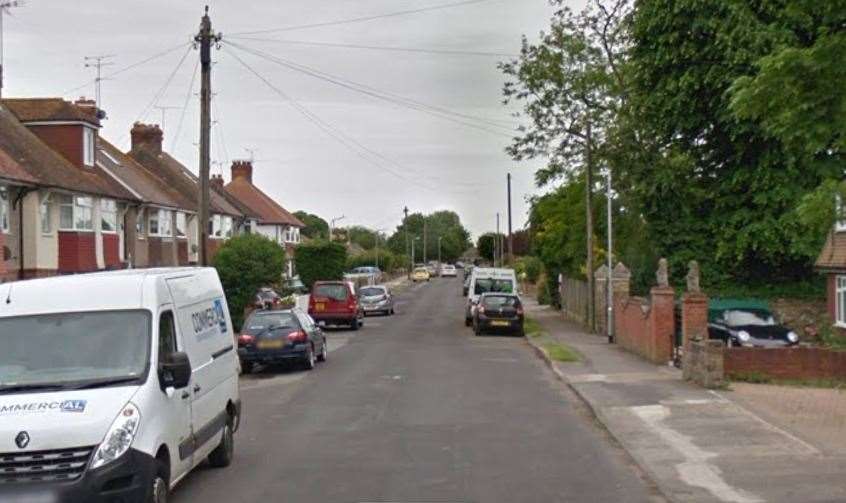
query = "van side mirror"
x=175 y=371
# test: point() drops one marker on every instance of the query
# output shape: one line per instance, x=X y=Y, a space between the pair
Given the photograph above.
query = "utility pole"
x=510 y=235
x=425 y=257
x=497 y=243
x=407 y=250
x=439 y=249
x=205 y=38
x=98 y=62
x=5 y=6
x=589 y=227
x=609 y=287
x=163 y=110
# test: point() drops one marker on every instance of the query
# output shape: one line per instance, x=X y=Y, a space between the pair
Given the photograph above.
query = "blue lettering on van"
x=209 y=321
x=221 y=317
x=73 y=406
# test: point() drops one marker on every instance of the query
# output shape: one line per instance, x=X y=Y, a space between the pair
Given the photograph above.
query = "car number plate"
x=320 y=306
x=270 y=344
x=500 y=323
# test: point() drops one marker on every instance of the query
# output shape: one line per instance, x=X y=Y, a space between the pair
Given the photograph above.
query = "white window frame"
x=839 y=214
x=181 y=224
x=840 y=301
x=79 y=206
x=88 y=146
x=162 y=218
x=215 y=227
x=108 y=208
x=141 y=224
x=5 y=218
x=226 y=226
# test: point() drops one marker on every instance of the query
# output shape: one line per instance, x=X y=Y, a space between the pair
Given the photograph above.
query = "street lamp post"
x=413 y=241
x=439 y=249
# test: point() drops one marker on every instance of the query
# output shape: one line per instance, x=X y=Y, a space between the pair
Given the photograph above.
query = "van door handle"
x=186 y=395
x=197 y=388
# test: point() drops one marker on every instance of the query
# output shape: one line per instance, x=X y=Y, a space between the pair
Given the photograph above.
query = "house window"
x=160 y=223
x=76 y=213
x=46 y=217
x=840 y=214
x=154 y=222
x=4 y=210
x=181 y=224
x=88 y=146
x=139 y=224
x=108 y=215
x=226 y=227
x=215 y=230
x=840 y=301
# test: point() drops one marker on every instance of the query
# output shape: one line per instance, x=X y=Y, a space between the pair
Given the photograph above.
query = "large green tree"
x=446 y=225
x=316 y=227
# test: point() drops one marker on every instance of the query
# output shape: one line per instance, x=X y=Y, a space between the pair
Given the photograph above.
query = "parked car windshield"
x=72 y=348
x=334 y=292
x=259 y=323
x=743 y=318
x=493 y=285
x=501 y=301
x=371 y=291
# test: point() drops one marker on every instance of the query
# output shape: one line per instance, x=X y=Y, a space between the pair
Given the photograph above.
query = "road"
x=415 y=408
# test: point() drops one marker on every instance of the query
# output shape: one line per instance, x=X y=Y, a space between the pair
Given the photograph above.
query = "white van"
x=487 y=279
x=113 y=386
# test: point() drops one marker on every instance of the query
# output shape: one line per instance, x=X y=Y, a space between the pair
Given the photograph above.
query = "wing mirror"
x=175 y=371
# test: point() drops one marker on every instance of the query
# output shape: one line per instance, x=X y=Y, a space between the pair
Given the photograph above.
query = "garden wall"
x=801 y=363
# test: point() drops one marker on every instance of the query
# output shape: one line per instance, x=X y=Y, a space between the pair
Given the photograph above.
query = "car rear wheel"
x=222 y=455
x=309 y=360
x=324 y=352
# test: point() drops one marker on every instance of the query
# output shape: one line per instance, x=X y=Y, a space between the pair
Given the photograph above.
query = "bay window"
x=226 y=225
x=76 y=213
x=108 y=215
x=215 y=226
x=840 y=301
x=181 y=224
x=46 y=216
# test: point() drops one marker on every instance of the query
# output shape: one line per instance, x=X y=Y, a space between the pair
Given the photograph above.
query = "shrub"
x=388 y=261
x=246 y=263
x=320 y=260
x=531 y=267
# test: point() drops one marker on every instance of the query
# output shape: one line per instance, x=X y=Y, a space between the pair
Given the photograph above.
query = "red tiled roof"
x=833 y=255
x=49 y=109
x=26 y=158
x=268 y=210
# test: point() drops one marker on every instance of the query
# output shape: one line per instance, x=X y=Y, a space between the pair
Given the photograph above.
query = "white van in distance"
x=113 y=386
x=487 y=279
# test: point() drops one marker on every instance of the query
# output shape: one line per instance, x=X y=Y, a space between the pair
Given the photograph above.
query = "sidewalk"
x=697 y=445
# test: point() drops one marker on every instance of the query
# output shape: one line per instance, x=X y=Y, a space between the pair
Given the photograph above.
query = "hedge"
x=320 y=260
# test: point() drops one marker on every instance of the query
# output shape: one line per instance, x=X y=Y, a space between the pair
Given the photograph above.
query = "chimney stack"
x=216 y=182
x=88 y=106
x=147 y=137
x=242 y=169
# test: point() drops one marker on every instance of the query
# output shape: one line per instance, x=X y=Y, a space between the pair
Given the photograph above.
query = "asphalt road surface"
x=415 y=408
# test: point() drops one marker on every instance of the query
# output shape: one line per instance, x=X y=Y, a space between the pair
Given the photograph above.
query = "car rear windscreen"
x=266 y=322
x=484 y=285
x=334 y=292
x=371 y=292
x=501 y=301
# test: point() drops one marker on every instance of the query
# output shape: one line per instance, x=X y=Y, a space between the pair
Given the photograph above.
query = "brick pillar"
x=694 y=318
x=620 y=288
x=663 y=324
x=600 y=281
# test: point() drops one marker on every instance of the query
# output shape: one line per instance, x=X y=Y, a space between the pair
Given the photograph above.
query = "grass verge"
x=560 y=352
x=532 y=328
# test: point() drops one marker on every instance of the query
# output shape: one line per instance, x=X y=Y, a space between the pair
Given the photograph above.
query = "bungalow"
x=274 y=221
x=832 y=262
x=225 y=218
x=59 y=211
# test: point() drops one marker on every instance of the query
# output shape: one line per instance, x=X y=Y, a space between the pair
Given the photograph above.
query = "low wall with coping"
x=646 y=327
x=801 y=363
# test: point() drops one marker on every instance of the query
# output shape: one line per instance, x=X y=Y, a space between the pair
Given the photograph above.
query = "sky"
x=317 y=145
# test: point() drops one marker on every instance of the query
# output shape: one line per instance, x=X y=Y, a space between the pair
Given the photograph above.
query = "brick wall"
x=77 y=252
x=786 y=363
x=212 y=246
x=646 y=327
x=182 y=251
x=111 y=251
x=154 y=252
x=694 y=317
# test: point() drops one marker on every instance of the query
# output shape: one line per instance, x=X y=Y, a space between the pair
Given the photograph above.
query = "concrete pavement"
x=698 y=445
x=415 y=408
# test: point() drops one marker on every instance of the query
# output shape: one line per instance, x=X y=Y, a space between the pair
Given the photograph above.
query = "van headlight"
x=792 y=337
x=743 y=336
x=119 y=437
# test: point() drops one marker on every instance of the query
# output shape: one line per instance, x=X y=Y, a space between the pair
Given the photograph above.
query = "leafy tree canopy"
x=446 y=225
x=316 y=227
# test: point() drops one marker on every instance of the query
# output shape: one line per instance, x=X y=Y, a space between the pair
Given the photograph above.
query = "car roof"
x=499 y=294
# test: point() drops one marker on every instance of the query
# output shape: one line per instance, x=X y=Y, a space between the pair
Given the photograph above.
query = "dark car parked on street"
x=335 y=303
x=280 y=336
x=747 y=324
x=498 y=312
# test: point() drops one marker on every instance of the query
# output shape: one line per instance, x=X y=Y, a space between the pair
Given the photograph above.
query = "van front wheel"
x=222 y=456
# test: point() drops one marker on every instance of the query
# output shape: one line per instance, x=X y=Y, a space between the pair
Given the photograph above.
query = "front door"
x=178 y=432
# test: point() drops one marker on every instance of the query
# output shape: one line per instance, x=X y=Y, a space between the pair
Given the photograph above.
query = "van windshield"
x=493 y=285
x=69 y=350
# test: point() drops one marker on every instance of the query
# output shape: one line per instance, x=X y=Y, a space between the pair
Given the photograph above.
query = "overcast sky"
x=384 y=157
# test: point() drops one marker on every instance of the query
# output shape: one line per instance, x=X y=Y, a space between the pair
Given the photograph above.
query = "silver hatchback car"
x=376 y=299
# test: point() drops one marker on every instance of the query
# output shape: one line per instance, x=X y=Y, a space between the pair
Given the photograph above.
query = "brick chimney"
x=242 y=169
x=147 y=137
x=216 y=181
x=88 y=106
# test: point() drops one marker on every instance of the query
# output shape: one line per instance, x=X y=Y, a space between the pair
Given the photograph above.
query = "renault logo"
x=22 y=440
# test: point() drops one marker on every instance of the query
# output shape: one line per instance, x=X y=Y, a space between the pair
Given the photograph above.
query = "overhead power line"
x=127 y=68
x=362 y=18
x=443 y=113
x=185 y=107
x=450 y=52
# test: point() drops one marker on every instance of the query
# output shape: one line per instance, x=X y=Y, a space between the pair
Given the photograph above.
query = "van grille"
x=44 y=466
